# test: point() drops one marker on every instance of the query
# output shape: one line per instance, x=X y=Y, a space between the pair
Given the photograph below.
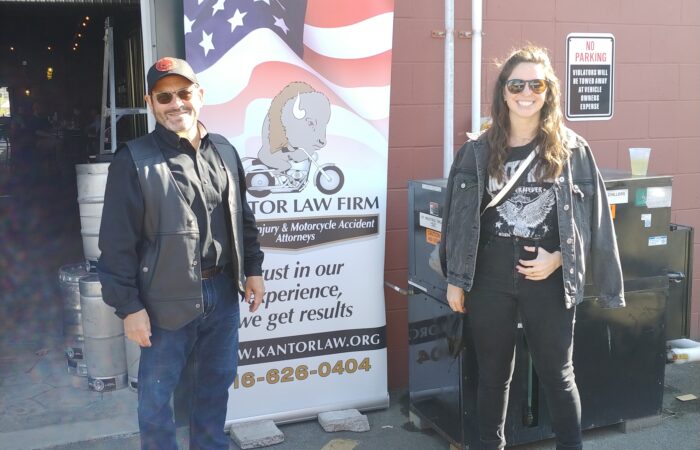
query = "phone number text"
x=302 y=372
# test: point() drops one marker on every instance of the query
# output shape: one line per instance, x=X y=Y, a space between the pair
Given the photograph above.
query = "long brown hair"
x=550 y=135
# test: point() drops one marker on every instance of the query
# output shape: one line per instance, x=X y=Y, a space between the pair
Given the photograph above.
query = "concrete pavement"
x=107 y=422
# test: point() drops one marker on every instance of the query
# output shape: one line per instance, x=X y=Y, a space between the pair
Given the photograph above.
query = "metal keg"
x=92 y=180
x=104 y=339
x=133 y=356
x=69 y=276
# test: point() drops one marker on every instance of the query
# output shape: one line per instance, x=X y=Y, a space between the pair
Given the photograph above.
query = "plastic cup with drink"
x=639 y=160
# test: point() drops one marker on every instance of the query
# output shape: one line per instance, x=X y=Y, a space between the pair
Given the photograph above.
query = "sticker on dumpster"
x=657 y=240
x=428 y=221
x=659 y=197
x=640 y=197
x=646 y=219
x=430 y=187
x=434 y=208
x=618 y=196
x=432 y=237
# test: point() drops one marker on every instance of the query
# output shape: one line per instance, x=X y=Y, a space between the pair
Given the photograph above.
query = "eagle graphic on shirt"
x=524 y=211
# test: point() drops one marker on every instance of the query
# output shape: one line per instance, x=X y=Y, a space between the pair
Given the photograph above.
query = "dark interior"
x=39 y=218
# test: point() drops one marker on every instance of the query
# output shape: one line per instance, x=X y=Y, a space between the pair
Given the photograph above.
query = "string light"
x=12 y=49
x=82 y=24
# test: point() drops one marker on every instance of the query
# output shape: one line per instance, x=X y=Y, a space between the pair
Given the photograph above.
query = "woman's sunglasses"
x=516 y=86
x=165 y=98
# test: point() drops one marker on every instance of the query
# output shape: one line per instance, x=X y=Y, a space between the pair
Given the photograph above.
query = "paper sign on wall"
x=590 y=63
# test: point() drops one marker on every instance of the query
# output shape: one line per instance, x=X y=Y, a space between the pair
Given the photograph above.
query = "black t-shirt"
x=529 y=210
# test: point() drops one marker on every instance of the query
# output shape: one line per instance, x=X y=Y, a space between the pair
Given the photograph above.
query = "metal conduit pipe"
x=476 y=34
x=449 y=105
x=476 y=64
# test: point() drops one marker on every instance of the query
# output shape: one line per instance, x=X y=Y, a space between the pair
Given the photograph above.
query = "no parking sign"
x=590 y=62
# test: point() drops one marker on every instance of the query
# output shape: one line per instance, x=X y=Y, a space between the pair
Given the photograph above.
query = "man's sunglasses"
x=516 y=86
x=165 y=98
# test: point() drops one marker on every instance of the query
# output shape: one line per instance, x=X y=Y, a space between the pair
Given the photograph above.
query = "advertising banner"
x=301 y=89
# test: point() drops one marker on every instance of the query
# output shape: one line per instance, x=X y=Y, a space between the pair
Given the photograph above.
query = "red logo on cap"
x=165 y=64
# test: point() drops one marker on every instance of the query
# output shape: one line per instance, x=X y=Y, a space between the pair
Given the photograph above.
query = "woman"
x=524 y=258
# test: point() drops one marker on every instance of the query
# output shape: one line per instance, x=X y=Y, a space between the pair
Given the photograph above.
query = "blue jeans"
x=212 y=341
x=500 y=297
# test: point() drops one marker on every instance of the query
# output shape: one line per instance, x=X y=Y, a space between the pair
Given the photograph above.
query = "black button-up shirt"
x=201 y=178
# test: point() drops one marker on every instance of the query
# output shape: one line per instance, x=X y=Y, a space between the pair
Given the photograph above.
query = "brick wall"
x=657 y=105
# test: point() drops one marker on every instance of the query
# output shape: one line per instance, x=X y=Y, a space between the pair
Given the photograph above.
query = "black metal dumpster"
x=619 y=355
x=680 y=277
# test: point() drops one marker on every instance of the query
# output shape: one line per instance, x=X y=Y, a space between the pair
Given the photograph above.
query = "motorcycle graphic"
x=263 y=180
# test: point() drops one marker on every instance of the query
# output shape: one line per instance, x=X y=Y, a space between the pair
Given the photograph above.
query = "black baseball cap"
x=169 y=66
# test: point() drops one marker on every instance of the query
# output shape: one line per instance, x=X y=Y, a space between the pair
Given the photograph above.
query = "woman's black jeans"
x=499 y=299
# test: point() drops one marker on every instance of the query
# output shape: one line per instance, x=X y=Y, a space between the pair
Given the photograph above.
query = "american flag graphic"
x=246 y=51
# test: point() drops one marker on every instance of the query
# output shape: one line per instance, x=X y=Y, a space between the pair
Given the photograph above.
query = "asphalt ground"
x=678 y=429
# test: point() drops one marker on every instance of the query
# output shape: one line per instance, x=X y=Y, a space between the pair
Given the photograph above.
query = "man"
x=178 y=241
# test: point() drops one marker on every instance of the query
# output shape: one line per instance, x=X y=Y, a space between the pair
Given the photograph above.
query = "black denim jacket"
x=585 y=224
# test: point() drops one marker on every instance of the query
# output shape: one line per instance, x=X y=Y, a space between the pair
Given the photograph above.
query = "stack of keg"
x=95 y=344
x=92 y=180
x=68 y=278
x=104 y=339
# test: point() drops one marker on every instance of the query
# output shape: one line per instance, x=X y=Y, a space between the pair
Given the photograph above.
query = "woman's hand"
x=455 y=298
x=542 y=266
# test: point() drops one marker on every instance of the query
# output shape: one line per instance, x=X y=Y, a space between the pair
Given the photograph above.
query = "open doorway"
x=51 y=72
x=51 y=61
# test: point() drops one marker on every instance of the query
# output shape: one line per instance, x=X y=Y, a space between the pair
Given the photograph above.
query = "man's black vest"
x=169 y=278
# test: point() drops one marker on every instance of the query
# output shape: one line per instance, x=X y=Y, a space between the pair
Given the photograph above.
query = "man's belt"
x=211 y=272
